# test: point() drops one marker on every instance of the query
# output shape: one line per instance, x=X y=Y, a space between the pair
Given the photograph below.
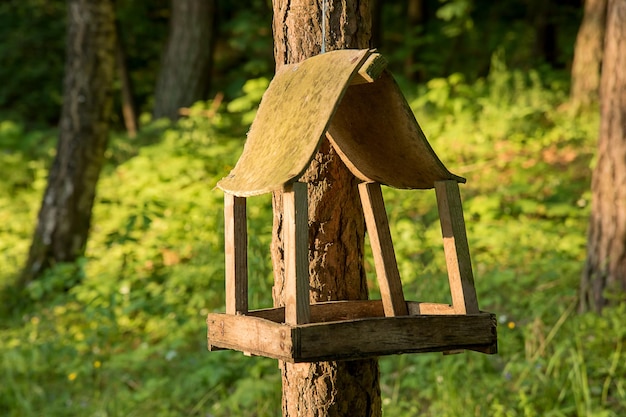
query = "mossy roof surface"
x=372 y=128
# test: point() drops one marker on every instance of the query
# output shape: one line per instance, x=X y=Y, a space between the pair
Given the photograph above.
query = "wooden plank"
x=248 y=334
x=236 y=254
x=329 y=311
x=352 y=339
x=382 y=248
x=371 y=70
x=405 y=334
x=296 y=238
x=429 y=309
x=456 y=247
x=352 y=310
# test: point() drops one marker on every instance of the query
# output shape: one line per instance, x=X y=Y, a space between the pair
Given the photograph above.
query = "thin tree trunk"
x=186 y=65
x=415 y=16
x=129 y=109
x=336 y=222
x=604 y=275
x=587 y=63
x=65 y=215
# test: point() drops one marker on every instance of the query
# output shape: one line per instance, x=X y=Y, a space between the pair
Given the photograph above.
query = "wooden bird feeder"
x=349 y=96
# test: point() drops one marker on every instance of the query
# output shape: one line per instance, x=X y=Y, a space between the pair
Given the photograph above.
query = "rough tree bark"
x=186 y=64
x=336 y=223
x=605 y=269
x=65 y=214
x=588 y=54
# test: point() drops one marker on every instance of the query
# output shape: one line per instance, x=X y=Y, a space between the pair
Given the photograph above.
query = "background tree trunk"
x=129 y=109
x=64 y=218
x=336 y=222
x=415 y=17
x=605 y=269
x=542 y=17
x=587 y=63
x=186 y=65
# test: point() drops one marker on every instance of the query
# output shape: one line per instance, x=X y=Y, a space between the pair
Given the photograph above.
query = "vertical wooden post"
x=456 y=247
x=236 y=254
x=382 y=248
x=296 y=238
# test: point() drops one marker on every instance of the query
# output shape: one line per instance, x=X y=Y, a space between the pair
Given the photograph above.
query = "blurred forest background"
x=120 y=328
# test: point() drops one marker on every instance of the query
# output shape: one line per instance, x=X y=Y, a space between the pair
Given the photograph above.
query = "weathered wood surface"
x=296 y=230
x=353 y=309
x=382 y=249
x=249 y=334
x=371 y=70
x=349 y=94
x=456 y=248
x=354 y=338
x=328 y=311
x=384 y=336
x=292 y=118
x=378 y=138
x=236 y=254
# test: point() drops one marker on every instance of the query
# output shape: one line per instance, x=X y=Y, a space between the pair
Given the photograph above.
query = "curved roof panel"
x=370 y=125
x=293 y=116
x=376 y=134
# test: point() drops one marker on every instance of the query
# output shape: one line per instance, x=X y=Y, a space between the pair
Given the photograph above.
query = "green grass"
x=128 y=339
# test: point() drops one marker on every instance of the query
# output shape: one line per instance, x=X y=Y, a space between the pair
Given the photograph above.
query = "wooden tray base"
x=344 y=330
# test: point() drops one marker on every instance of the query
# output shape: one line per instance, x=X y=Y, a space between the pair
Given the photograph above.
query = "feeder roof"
x=370 y=125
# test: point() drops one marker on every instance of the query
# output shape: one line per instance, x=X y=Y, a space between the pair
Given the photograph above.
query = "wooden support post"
x=296 y=241
x=382 y=248
x=456 y=247
x=236 y=254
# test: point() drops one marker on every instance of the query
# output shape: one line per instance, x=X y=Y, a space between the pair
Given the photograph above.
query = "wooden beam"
x=456 y=247
x=434 y=309
x=236 y=254
x=371 y=70
x=353 y=309
x=249 y=334
x=296 y=238
x=382 y=248
x=352 y=339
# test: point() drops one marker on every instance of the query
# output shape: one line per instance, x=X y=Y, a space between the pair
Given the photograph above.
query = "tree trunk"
x=376 y=8
x=186 y=64
x=605 y=270
x=129 y=109
x=542 y=16
x=335 y=218
x=415 y=16
x=64 y=218
x=588 y=54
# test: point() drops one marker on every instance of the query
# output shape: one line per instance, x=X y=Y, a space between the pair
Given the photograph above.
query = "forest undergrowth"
x=122 y=331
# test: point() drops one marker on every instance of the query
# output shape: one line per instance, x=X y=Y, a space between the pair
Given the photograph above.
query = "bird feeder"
x=352 y=99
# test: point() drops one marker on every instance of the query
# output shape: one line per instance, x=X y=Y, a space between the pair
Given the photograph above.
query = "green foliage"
x=122 y=331
x=450 y=36
x=246 y=104
x=32 y=52
x=32 y=60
